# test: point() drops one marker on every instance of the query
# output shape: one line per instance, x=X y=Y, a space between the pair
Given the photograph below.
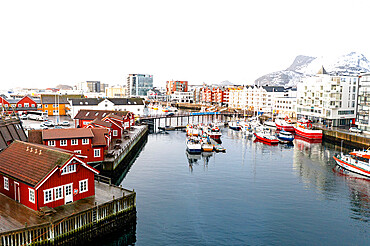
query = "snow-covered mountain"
x=349 y=64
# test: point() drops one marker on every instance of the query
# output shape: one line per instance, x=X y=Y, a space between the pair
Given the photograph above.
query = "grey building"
x=139 y=84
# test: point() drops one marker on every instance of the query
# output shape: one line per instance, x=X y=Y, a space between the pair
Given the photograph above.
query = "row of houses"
x=54 y=167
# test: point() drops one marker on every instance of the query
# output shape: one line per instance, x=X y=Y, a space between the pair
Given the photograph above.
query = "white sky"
x=46 y=43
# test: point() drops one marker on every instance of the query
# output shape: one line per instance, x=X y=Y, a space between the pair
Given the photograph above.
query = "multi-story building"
x=286 y=105
x=328 y=99
x=182 y=97
x=172 y=86
x=255 y=98
x=139 y=84
x=91 y=86
x=115 y=91
x=363 y=106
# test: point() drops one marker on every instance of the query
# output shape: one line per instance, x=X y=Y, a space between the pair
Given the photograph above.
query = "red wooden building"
x=85 y=116
x=90 y=142
x=37 y=175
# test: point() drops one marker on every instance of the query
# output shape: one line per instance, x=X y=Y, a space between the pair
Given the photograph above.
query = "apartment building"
x=363 y=103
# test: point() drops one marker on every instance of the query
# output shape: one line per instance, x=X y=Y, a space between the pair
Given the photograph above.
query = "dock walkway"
x=21 y=225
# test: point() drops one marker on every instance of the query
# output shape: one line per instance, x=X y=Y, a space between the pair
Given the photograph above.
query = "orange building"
x=172 y=86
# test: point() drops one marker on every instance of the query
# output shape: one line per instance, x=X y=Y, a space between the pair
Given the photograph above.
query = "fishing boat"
x=193 y=145
x=266 y=137
x=234 y=126
x=192 y=130
x=285 y=125
x=206 y=145
x=356 y=162
x=285 y=137
x=214 y=132
x=304 y=129
x=218 y=148
x=269 y=123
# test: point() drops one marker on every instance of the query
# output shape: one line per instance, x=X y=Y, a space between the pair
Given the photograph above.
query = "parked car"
x=23 y=117
x=355 y=129
x=64 y=123
x=48 y=123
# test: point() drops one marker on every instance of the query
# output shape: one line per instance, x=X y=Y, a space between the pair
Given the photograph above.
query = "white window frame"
x=46 y=105
x=85 y=141
x=71 y=168
x=26 y=105
x=63 y=142
x=115 y=133
x=77 y=151
x=6 y=183
x=87 y=185
x=62 y=192
x=31 y=195
x=51 y=195
x=74 y=141
x=97 y=152
x=51 y=143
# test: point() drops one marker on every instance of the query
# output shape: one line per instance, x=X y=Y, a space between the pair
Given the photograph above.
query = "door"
x=17 y=195
x=68 y=195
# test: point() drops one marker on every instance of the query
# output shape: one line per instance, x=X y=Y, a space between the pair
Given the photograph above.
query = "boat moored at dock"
x=285 y=137
x=266 y=137
x=285 y=125
x=356 y=162
x=304 y=129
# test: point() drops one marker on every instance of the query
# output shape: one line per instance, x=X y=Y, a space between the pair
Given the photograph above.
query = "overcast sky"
x=46 y=43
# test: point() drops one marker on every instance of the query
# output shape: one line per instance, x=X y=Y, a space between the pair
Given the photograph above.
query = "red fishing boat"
x=285 y=125
x=266 y=137
x=304 y=129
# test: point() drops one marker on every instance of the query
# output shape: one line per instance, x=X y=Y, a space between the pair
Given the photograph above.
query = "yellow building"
x=115 y=92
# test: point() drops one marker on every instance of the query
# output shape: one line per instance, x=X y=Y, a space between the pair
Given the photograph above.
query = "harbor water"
x=254 y=194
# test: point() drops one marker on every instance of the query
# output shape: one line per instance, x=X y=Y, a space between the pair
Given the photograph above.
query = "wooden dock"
x=120 y=149
x=111 y=208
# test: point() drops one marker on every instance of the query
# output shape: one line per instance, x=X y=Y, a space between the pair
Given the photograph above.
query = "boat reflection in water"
x=194 y=159
x=359 y=187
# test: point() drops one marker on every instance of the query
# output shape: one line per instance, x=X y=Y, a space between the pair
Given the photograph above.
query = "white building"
x=134 y=105
x=182 y=97
x=328 y=99
x=286 y=105
x=255 y=98
x=363 y=107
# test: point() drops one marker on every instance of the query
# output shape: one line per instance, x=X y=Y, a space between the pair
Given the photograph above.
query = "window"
x=63 y=142
x=19 y=105
x=6 y=183
x=83 y=185
x=26 y=105
x=115 y=133
x=58 y=192
x=31 y=195
x=96 y=152
x=78 y=151
x=85 y=141
x=51 y=142
x=33 y=105
x=74 y=141
x=46 y=105
x=48 y=195
x=69 y=169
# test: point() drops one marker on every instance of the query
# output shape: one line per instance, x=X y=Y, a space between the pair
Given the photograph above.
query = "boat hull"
x=271 y=141
x=214 y=136
x=236 y=128
x=194 y=151
x=352 y=168
x=287 y=128
x=309 y=134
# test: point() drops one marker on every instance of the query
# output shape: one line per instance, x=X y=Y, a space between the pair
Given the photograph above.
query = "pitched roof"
x=85 y=101
x=127 y=101
x=117 y=117
x=91 y=114
x=67 y=133
x=322 y=70
x=101 y=123
x=99 y=136
x=31 y=163
x=54 y=99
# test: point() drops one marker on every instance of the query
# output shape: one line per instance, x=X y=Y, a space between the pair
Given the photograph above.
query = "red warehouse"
x=85 y=116
x=37 y=175
x=90 y=142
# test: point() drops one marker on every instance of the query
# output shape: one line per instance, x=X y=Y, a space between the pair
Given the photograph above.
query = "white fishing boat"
x=356 y=162
x=193 y=145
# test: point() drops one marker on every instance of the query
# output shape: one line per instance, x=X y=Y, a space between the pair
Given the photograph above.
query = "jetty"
x=111 y=209
x=120 y=150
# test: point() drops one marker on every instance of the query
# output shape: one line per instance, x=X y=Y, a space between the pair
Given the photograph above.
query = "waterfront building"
x=56 y=104
x=215 y=95
x=363 y=106
x=172 y=86
x=86 y=116
x=38 y=175
x=139 y=84
x=286 y=105
x=255 y=98
x=134 y=105
x=328 y=99
x=182 y=97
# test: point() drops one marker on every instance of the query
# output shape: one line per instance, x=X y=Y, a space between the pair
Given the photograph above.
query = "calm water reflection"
x=254 y=194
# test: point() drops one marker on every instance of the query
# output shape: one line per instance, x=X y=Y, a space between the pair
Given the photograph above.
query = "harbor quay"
x=110 y=209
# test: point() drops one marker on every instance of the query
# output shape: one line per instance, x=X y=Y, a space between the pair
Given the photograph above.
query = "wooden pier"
x=77 y=223
x=121 y=149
